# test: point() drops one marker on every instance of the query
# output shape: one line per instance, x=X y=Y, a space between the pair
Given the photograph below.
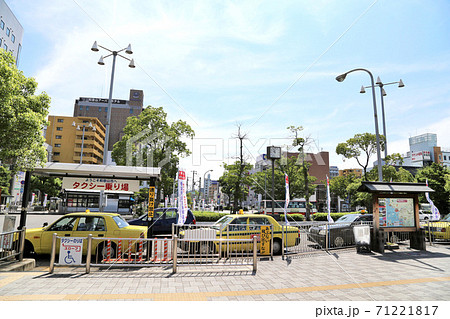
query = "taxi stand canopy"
x=395 y=190
x=88 y=171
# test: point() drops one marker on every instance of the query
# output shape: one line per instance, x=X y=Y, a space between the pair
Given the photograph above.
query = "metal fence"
x=437 y=231
x=12 y=244
x=148 y=252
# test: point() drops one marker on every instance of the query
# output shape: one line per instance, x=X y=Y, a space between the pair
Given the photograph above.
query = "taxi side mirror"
x=45 y=224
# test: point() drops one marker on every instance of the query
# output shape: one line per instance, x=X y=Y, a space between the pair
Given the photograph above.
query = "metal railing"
x=148 y=252
x=12 y=244
x=436 y=231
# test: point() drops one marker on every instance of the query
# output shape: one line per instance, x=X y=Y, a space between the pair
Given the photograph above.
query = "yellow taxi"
x=238 y=227
x=107 y=225
x=439 y=230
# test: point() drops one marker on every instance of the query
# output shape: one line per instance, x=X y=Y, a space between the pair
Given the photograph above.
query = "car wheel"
x=339 y=241
x=102 y=251
x=28 y=249
x=277 y=246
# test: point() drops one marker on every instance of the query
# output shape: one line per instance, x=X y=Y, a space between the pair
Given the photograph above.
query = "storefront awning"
x=385 y=187
x=98 y=171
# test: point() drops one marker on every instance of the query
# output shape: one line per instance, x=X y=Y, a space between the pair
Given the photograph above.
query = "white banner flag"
x=182 y=198
x=330 y=220
x=45 y=201
x=435 y=215
x=286 y=203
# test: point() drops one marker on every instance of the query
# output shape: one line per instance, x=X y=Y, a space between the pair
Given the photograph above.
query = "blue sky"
x=265 y=65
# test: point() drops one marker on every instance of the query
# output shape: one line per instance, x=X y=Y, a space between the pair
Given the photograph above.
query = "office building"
x=121 y=110
x=75 y=139
x=11 y=32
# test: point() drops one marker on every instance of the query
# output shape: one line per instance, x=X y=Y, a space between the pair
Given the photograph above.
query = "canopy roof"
x=385 y=187
x=98 y=171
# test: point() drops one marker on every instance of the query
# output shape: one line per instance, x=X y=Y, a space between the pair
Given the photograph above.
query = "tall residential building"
x=121 y=110
x=76 y=139
x=358 y=172
x=11 y=31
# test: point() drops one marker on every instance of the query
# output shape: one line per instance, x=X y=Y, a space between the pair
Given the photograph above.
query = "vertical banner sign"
x=45 y=201
x=330 y=220
x=32 y=199
x=166 y=201
x=286 y=203
x=265 y=240
x=151 y=201
x=70 y=251
x=182 y=199
x=435 y=215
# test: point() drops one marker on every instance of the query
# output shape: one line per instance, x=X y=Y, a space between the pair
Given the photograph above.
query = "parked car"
x=163 y=220
x=340 y=232
x=240 y=227
x=39 y=240
x=439 y=230
x=424 y=215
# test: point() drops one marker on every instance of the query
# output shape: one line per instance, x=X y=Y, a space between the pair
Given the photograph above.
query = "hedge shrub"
x=324 y=216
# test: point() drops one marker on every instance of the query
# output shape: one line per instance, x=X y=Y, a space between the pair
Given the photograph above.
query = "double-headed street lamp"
x=383 y=93
x=341 y=78
x=114 y=54
x=82 y=137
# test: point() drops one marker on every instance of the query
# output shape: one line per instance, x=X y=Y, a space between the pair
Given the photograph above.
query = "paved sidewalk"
x=403 y=275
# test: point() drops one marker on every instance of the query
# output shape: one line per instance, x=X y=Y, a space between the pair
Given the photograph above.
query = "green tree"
x=360 y=147
x=149 y=140
x=235 y=182
x=339 y=186
x=5 y=176
x=47 y=185
x=438 y=177
x=22 y=118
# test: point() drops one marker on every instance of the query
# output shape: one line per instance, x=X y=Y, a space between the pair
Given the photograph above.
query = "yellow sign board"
x=265 y=240
x=151 y=201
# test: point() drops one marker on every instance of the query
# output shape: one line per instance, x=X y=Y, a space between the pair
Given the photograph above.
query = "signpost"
x=265 y=240
x=70 y=251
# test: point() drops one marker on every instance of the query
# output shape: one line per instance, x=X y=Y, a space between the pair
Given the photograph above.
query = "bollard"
x=429 y=233
x=52 y=254
x=174 y=254
x=327 y=238
x=165 y=249
x=119 y=250
x=22 y=243
x=140 y=250
x=282 y=242
x=155 y=250
x=108 y=250
x=255 y=253
x=88 y=254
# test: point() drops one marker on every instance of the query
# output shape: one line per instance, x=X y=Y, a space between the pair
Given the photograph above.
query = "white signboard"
x=101 y=184
x=421 y=156
x=70 y=251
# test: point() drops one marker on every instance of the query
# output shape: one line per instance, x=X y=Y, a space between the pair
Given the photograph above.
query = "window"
x=81 y=107
x=0 y=43
x=60 y=120
x=106 y=109
x=13 y=38
x=91 y=224
x=445 y=158
x=99 y=109
x=56 y=153
x=57 y=145
x=131 y=111
x=5 y=47
x=2 y=25
x=59 y=128
x=58 y=137
x=121 y=223
x=8 y=31
x=87 y=108
x=64 y=224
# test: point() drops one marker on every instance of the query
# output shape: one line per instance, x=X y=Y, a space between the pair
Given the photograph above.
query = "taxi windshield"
x=222 y=223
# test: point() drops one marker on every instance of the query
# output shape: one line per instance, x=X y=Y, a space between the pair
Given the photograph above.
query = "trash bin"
x=362 y=238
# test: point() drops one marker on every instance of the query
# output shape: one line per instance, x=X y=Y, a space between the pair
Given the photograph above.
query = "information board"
x=265 y=240
x=70 y=251
x=396 y=212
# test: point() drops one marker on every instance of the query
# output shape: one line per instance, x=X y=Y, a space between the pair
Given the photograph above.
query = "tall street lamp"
x=114 y=54
x=341 y=78
x=82 y=137
x=383 y=93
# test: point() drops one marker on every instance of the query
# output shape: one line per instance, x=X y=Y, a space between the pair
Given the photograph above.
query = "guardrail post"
x=429 y=232
x=255 y=253
x=271 y=242
x=327 y=238
x=174 y=253
x=22 y=243
x=88 y=254
x=282 y=242
x=52 y=254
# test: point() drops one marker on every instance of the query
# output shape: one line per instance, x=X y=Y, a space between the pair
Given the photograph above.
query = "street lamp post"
x=341 y=78
x=114 y=54
x=82 y=137
x=383 y=93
